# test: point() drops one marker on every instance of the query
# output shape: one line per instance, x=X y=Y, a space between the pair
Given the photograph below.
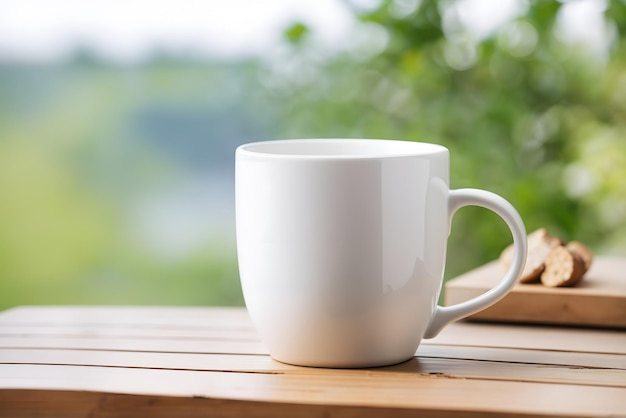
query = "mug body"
x=341 y=246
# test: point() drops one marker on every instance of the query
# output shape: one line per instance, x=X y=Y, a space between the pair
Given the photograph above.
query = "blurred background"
x=119 y=121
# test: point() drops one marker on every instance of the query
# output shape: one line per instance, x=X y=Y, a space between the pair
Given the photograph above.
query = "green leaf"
x=296 y=32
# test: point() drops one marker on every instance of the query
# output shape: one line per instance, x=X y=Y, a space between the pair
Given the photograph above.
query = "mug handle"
x=457 y=199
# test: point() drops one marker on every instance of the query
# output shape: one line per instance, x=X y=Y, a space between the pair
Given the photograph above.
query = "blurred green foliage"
x=85 y=144
x=84 y=147
x=525 y=114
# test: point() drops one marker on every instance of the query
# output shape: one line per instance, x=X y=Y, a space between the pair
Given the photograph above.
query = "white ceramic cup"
x=342 y=246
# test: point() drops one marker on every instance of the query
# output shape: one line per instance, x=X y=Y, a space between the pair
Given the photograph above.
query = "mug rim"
x=384 y=148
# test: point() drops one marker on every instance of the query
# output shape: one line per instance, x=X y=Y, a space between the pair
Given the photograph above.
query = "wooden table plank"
x=362 y=390
x=128 y=315
x=147 y=345
x=128 y=332
x=38 y=403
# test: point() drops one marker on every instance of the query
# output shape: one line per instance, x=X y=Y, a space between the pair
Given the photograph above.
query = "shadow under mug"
x=342 y=245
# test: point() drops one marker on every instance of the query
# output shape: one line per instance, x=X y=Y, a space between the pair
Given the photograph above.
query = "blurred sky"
x=127 y=31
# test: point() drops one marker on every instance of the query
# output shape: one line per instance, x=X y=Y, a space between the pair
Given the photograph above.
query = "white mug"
x=342 y=244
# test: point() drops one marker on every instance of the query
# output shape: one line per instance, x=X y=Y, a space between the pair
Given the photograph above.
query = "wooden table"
x=187 y=362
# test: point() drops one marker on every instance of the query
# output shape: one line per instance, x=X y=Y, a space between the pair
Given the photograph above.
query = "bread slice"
x=540 y=245
x=563 y=267
x=584 y=253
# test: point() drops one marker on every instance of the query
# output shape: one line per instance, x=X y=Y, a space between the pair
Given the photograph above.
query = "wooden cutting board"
x=598 y=301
